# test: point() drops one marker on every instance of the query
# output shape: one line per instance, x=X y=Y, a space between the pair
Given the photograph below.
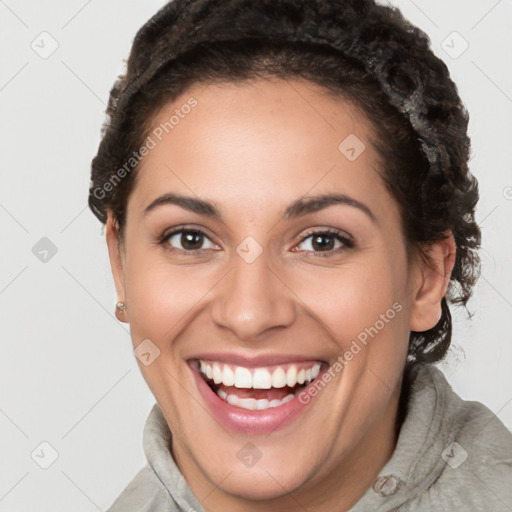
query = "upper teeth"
x=258 y=378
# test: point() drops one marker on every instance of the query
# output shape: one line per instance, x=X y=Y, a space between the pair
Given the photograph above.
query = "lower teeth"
x=251 y=403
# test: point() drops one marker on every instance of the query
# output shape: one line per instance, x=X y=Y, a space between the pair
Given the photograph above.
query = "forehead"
x=260 y=142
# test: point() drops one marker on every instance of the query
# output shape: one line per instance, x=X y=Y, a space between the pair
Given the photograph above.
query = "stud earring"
x=121 y=306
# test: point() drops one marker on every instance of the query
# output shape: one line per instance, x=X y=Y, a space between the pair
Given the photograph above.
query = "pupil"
x=191 y=240
x=317 y=242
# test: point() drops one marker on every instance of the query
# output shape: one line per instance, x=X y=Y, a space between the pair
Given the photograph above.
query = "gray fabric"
x=436 y=418
x=427 y=472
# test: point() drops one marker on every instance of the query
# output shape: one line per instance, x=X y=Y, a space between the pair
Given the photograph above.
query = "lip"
x=252 y=361
x=245 y=421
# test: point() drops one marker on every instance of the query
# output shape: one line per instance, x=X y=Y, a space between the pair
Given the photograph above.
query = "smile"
x=258 y=389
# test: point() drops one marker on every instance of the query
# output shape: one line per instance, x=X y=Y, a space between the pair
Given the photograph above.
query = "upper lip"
x=253 y=361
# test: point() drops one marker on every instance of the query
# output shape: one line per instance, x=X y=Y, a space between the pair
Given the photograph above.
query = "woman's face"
x=262 y=248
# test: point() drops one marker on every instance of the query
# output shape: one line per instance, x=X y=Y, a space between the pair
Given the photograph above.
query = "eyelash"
x=347 y=242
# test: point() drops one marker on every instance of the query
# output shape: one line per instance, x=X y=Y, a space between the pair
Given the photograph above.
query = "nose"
x=252 y=299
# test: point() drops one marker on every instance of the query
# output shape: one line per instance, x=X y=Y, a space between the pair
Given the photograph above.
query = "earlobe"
x=120 y=311
x=432 y=283
x=116 y=264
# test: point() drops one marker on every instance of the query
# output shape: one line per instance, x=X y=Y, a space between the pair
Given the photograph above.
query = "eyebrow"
x=299 y=208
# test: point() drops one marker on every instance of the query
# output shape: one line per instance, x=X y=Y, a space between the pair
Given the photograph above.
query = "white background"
x=68 y=375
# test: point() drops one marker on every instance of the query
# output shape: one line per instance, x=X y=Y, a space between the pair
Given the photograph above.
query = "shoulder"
x=159 y=486
x=145 y=493
x=471 y=424
x=451 y=454
x=474 y=457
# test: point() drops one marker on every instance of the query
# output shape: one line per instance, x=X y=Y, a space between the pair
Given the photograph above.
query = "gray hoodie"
x=451 y=455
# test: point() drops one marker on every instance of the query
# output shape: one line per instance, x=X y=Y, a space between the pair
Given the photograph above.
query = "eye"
x=326 y=241
x=321 y=243
x=191 y=240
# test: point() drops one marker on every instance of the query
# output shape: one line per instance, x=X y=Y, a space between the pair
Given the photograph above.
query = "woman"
x=288 y=209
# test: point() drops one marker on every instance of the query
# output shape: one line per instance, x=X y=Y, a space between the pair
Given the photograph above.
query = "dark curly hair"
x=356 y=50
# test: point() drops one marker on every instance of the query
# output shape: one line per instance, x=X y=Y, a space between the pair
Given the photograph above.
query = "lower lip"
x=243 y=420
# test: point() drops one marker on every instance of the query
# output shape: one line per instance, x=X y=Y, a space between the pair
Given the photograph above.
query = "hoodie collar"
x=417 y=459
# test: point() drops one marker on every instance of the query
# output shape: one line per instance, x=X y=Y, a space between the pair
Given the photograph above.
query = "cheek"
x=162 y=297
x=351 y=299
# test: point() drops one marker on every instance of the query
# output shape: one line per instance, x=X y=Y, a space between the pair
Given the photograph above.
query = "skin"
x=252 y=149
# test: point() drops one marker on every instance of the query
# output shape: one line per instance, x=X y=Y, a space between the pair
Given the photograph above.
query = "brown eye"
x=189 y=240
x=323 y=242
x=330 y=242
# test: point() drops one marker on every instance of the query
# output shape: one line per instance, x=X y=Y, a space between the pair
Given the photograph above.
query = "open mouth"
x=258 y=389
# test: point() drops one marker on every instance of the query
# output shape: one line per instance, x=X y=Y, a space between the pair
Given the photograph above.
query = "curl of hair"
x=356 y=50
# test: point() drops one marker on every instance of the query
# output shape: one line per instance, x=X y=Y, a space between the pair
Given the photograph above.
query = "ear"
x=432 y=283
x=116 y=262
